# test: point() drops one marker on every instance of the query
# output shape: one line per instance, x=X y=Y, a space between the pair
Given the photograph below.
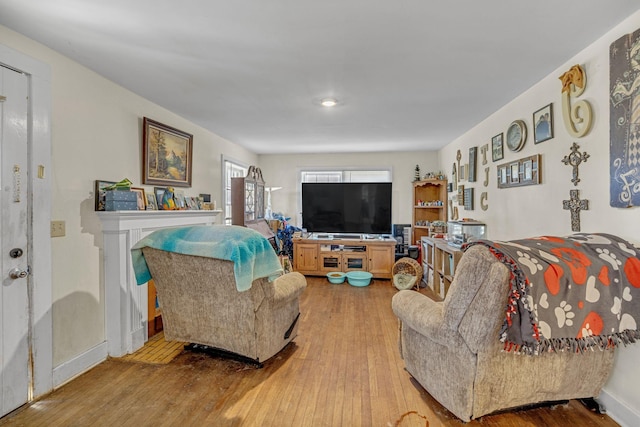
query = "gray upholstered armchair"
x=452 y=347
x=214 y=289
x=201 y=305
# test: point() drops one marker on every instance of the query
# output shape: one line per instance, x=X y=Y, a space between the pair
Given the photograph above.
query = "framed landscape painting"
x=166 y=155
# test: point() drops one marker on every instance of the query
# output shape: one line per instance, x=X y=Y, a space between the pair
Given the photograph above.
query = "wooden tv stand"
x=322 y=253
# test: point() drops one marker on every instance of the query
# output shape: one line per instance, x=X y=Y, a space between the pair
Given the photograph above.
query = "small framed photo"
x=142 y=198
x=502 y=176
x=152 y=203
x=159 y=193
x=527 y=173
x=179 y=199
x=515 y=175
x=497 y=149
x=99 y=194
x=543 y=124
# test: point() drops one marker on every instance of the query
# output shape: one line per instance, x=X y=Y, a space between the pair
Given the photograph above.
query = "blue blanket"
x=252 y=254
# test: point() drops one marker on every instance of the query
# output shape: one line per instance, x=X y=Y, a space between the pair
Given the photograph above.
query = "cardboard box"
x=121 y=196
x=118 y=205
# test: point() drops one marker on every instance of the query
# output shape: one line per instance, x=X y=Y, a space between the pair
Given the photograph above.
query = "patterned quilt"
x=569 y=293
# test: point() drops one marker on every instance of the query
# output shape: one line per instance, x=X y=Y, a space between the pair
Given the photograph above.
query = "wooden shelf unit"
x=426 y=195
x=439 y=263
x=317 y=257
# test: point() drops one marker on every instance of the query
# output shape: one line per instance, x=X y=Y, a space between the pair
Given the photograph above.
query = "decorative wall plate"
x=516 y=135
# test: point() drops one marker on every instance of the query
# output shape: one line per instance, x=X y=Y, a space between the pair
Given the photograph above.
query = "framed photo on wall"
x=521 y=172
x=543 y=124
x=473 y=157
x=166 y=155
x=497 y=149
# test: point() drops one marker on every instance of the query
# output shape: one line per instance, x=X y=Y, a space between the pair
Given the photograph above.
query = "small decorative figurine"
x=167 y=200
x=416 y=176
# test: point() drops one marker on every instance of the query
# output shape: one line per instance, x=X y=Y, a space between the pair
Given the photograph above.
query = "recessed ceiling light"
x=328 y=102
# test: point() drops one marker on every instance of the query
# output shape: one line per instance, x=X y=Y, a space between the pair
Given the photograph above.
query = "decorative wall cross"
x=575 y=205
x=574 y=159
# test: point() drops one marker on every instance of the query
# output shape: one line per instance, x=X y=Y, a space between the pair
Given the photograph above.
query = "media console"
x=322 y=253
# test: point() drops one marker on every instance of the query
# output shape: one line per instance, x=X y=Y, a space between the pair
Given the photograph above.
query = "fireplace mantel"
x=125 y=301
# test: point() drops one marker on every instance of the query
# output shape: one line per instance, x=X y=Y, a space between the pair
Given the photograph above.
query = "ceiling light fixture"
x=328 y=102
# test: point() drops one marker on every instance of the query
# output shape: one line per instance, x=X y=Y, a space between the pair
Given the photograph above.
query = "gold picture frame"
x=166 y=155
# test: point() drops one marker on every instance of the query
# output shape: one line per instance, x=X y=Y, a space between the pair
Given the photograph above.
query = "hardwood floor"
x=344 y=369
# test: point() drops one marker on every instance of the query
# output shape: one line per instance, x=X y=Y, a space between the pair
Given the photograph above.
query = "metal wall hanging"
x=574 y=159
x=577 y=114
x=624 y=85
x=575 y=205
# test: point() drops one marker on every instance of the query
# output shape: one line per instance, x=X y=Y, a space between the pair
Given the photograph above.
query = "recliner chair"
x=201 y=304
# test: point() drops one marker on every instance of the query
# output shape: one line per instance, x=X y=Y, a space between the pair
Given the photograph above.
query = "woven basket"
x=407 y=273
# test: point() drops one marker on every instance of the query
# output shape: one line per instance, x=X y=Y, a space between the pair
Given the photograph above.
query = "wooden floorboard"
x=343 y=369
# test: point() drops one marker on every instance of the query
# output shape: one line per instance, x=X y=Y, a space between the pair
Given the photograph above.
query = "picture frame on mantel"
x=166 y=155
x=99 y=194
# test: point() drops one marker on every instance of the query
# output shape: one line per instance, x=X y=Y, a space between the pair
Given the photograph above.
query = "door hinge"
x=3 y=98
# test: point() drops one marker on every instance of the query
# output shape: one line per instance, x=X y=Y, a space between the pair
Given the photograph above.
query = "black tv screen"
x=347 y=207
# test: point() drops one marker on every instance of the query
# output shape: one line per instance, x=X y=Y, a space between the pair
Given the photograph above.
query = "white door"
x=14 y=232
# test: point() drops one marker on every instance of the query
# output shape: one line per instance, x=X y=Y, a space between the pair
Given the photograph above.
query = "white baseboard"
x=619 y=411
x=79 y=364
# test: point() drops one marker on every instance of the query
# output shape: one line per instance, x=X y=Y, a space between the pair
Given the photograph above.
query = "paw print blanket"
x=569 y=293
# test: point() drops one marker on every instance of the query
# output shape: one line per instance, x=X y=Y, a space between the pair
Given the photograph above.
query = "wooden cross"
x=575 y=205
x=574 y=159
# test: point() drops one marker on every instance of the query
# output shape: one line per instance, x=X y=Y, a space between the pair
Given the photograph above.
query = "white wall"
x=284 y=171
x=97 y=134
x=536 y=210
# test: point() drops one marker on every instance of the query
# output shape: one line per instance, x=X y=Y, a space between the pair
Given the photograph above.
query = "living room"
x=95 y=134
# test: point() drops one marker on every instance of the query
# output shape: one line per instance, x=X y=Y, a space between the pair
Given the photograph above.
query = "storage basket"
x=407 y=273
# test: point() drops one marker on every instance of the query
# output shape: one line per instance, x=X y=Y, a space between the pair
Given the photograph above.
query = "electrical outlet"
x=57 y=228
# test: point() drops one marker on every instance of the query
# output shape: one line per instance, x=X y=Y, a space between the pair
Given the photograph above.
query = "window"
x=232 y=169
x=375 y=175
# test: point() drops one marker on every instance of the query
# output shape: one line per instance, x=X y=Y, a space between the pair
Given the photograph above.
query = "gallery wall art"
x=624 y=140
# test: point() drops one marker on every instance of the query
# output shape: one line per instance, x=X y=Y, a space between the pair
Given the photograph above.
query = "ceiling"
x=407 y=74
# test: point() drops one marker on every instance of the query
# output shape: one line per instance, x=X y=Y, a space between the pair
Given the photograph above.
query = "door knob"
x=16 y=273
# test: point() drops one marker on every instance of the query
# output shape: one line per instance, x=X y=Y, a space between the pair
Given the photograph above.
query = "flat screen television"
x=347 y=207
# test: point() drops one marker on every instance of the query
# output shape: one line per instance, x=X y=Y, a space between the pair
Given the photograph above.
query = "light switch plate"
x=57 y=228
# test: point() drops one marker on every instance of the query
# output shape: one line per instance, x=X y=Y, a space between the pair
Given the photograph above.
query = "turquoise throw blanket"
x=252 y=254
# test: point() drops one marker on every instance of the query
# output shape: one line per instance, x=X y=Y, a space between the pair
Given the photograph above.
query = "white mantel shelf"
x=125 y=301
